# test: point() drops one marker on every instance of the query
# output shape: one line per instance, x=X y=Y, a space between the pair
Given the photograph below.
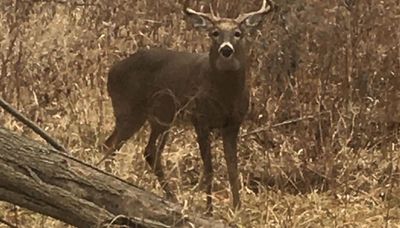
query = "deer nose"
x=226 y=50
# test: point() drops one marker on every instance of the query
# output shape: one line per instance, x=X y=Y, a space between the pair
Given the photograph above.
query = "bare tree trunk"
x=47 y=181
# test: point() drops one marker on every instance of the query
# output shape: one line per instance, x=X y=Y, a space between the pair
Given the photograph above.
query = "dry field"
x=320 y=145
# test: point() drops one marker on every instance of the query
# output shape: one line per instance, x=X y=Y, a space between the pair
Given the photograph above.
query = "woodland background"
x=320 y=145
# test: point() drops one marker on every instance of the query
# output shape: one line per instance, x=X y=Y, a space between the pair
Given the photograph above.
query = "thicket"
x=325 y=106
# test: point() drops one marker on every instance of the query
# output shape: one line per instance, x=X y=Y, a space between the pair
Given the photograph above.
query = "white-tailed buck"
x=154 y=85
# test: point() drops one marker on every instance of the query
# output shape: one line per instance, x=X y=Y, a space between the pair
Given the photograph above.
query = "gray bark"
x=44 y=180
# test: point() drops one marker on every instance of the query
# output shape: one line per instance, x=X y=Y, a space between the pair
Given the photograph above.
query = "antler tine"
x=211 y=16
x=263 y=10
x=212 y=11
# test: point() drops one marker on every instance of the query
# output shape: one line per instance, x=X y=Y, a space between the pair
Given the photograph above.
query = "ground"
x=323 y=93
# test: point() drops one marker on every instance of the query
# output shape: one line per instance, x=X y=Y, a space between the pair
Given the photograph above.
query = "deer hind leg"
x=125 y=128
x=203 y=139
x=162 y=110
x=126 y=125
x=153 y=153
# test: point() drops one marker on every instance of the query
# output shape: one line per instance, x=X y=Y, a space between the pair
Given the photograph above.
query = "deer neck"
x=230 y=78
x=226 y=86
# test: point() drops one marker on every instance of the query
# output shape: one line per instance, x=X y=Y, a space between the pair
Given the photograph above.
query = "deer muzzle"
x=226 y=49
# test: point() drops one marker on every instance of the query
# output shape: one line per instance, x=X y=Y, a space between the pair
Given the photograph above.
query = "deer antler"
x=264 y=10
x=210 y=16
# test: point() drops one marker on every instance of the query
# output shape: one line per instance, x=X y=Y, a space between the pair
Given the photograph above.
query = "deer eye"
x=238 y=34
x=215 y=33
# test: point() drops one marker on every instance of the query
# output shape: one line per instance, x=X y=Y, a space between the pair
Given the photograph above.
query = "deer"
x=155 y=84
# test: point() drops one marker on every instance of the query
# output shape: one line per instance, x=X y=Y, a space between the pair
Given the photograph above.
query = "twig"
x=286 y=122
x=32 y=126
x=149 y=21
x=7 y=223
x=133 y=222
x=65 y=2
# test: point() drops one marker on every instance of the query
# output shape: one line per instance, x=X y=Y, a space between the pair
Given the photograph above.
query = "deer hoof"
x=209 y=211
x=171 y=197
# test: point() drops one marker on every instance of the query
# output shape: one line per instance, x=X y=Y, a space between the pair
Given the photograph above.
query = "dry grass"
x=338 y=168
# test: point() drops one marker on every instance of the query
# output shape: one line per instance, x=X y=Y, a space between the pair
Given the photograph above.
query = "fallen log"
x=47 y=181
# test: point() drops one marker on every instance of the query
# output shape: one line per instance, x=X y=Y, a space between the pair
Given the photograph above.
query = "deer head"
x=227 y=35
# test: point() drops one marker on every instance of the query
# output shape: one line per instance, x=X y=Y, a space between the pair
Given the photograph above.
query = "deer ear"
x=250 y=21
x=253 y=21
x=199 y=20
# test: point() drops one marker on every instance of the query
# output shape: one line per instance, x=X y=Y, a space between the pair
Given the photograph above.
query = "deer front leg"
x=203 y=135
x=229 y=137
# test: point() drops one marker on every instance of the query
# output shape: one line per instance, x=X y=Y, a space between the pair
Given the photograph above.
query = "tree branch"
x=31 y=125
